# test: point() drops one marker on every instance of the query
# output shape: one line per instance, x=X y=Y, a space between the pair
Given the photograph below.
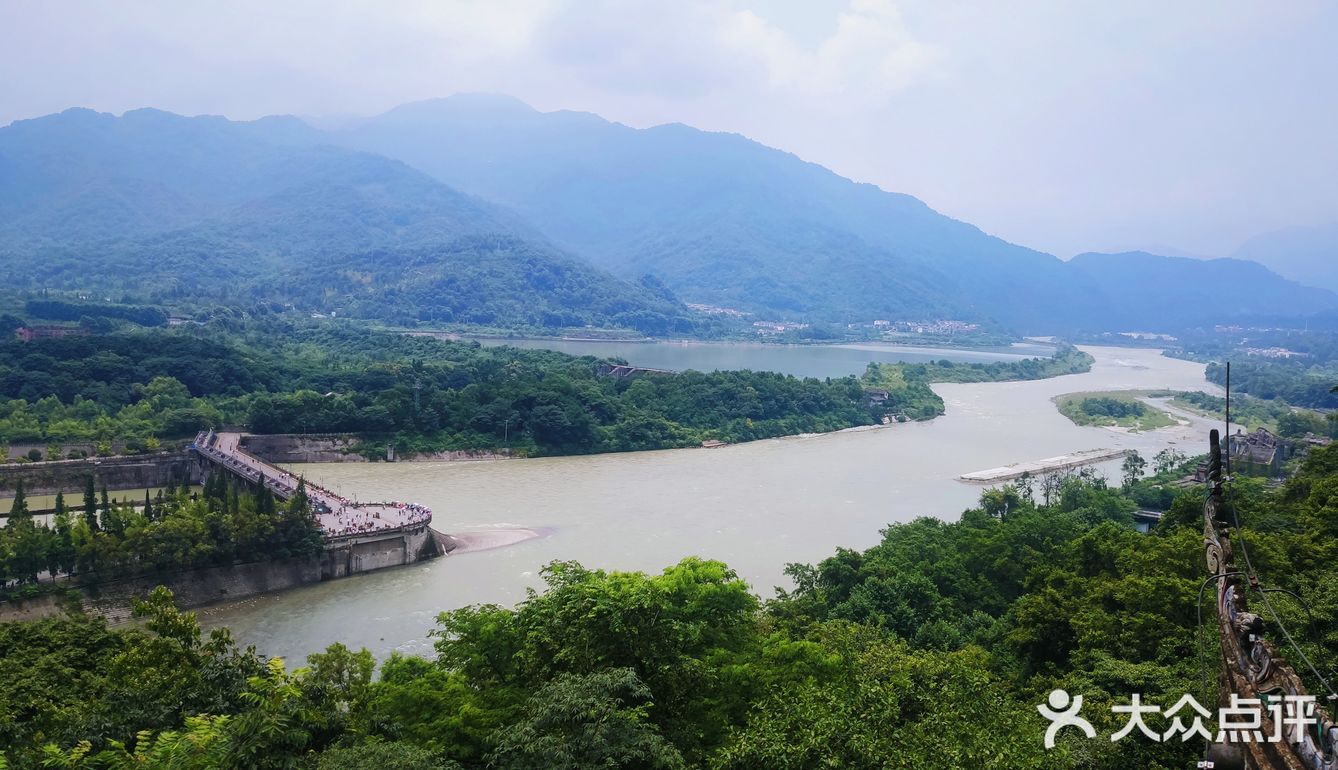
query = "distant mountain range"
x=725 y=220
x=170 y=206
x=480 y=209
x=1305 y=254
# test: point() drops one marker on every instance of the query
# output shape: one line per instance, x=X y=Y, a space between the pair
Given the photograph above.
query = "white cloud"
x=871 y=54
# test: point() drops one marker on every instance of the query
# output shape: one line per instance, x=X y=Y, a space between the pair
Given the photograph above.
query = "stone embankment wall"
x=137 y=472
x=336 y=448
x=304 y=448
x=195 y=588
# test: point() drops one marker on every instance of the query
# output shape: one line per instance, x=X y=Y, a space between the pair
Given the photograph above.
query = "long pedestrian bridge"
x=337 y=515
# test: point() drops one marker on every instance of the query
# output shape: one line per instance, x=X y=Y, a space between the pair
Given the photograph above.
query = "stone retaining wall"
x=338 y=448
x=136 y=472
x=295 y=448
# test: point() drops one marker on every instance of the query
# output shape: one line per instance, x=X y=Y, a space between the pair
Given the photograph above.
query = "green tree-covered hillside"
x=189 y=210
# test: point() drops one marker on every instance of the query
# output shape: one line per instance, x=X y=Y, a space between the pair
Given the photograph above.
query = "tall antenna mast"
x=1226 y=461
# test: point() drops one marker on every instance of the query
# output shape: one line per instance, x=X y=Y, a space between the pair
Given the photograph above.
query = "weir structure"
x=359 y=536
x=1251 y=667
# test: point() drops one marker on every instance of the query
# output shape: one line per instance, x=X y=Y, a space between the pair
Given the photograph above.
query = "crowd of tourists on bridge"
x=353 y=518
x=349 y=517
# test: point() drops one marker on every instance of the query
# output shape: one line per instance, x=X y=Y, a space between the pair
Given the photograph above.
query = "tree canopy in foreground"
x=928 y=650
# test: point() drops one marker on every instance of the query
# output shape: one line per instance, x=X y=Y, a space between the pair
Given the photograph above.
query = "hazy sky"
x=1067 y=126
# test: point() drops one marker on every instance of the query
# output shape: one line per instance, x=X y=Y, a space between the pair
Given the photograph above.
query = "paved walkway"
x=337 y=516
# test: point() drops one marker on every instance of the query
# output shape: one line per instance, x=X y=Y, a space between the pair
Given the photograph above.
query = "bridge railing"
x=204 y=446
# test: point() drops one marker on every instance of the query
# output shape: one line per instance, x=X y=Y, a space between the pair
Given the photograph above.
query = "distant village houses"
x=777 y=327
x=717 y=310
x=1149 y=336
x=1283 y=353
x=876 y=396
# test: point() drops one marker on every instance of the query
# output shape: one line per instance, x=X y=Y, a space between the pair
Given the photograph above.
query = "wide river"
x=755 y=506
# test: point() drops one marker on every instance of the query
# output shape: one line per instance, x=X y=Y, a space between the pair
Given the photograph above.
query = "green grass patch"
x=1116 y=408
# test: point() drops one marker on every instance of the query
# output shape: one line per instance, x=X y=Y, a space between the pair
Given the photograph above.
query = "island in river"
x=755 y=506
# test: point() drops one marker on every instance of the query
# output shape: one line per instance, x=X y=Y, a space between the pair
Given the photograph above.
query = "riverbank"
x=755 y=506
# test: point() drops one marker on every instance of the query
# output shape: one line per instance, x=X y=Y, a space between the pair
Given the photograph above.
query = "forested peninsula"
x=134 y=390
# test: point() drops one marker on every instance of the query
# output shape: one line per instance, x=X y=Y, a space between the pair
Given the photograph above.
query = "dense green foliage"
x=1317 y=343
x=418 y=392
x=102 y=539
x=1113 y=408
x=72 y=679
x=164 y=408
x=908 y=390
x=1274 y=414
x=109 y=369
x=426 y=394
x=1067 y=360
x=929 y=650
x=59 y=310
x=1245 y=410
x=1296 y=383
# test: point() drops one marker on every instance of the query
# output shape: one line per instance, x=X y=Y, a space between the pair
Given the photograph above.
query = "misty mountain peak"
x=456 y=106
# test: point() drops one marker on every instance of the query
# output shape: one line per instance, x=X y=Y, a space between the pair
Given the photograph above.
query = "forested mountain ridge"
x=156 y=203
x=486 y=212
x=718 y=217
x=725 y=220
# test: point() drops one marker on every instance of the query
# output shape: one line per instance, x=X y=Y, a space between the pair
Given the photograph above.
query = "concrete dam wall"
x=342 y=557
